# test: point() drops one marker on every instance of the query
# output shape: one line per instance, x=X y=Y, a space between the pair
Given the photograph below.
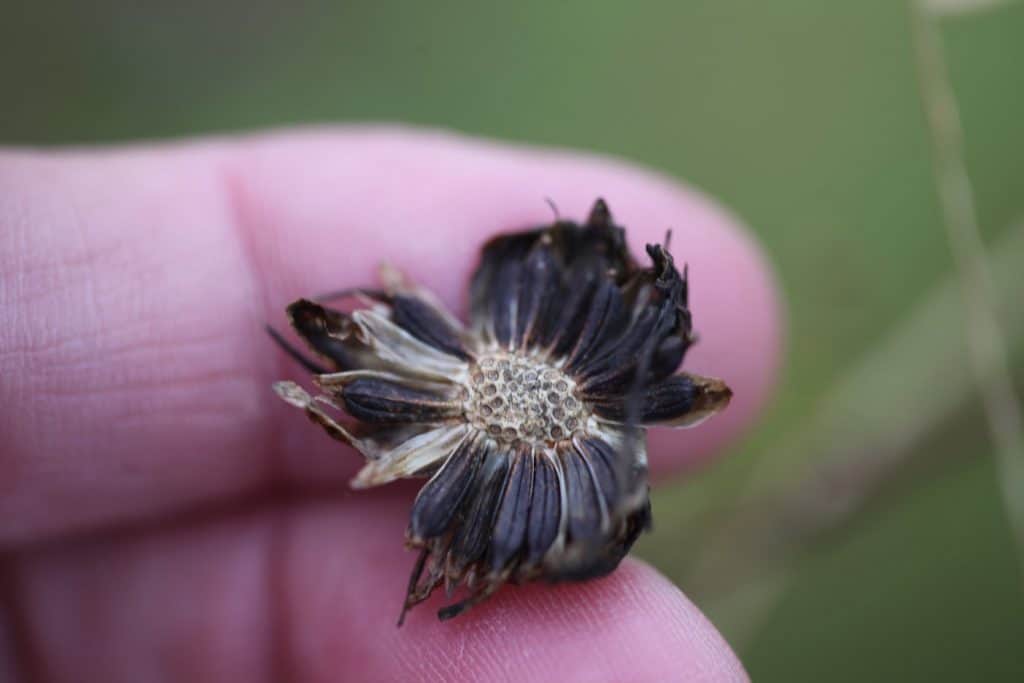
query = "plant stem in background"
x=862 y=437
x=941 y=8
x=986 y=346
x=867 y=427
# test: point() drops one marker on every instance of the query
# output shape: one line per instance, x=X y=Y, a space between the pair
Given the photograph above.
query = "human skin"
x=163 y=516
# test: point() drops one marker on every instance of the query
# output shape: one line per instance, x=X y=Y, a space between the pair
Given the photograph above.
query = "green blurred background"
x=859 y=533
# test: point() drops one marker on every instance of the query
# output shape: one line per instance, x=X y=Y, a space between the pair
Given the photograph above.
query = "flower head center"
x=514 y=398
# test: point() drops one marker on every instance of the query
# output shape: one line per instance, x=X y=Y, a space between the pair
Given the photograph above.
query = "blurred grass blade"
x=986 y=347
x=946 y=353
x=862 y=434
x=953 y=7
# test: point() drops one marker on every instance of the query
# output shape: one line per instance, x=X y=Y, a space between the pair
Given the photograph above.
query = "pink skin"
x=164 y=512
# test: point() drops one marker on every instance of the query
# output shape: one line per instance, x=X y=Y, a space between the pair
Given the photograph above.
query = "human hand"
x=164 y=516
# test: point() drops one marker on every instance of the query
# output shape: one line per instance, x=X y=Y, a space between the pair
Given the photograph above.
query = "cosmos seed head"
x=519 y=399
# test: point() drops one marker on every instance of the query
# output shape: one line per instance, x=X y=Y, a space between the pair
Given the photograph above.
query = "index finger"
x=136 y=283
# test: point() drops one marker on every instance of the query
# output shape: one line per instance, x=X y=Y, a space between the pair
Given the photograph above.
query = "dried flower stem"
x=985 y=343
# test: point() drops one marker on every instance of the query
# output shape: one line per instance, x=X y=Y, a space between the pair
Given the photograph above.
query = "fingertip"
x=632 y=625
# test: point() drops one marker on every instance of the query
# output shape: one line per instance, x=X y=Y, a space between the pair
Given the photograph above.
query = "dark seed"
x=510 y=523
x=602 y=459
x=669 y=399
x=545 y=511
x=438 y=500
x=583 y=505
x=376 y=400
x=471 y=538
x=422 y=321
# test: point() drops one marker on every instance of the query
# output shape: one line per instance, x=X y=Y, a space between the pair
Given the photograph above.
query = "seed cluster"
x=519 y=399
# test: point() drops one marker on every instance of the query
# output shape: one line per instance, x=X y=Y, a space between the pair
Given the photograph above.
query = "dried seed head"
x=521 y=399
x=529 y=421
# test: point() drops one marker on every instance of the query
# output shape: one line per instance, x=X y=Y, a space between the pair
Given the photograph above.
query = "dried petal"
x=419 y=454
x=399 y=351
x=368 y=340
x=292 y=393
